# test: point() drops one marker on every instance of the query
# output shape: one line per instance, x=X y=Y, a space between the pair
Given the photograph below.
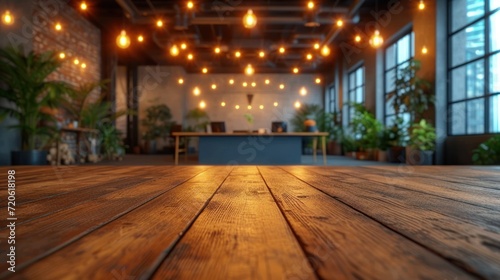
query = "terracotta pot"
x=382 y=156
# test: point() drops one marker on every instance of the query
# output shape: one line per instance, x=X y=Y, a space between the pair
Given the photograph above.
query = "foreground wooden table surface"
x=197 y=222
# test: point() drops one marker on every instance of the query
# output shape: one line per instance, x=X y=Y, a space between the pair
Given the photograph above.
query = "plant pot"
x=416 y=157
x=396 y=154
x=382 y=156
x=31 y=157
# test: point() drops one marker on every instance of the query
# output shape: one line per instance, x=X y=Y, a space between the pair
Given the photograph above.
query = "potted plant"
x=365 y=128
x=398 y=137
x=488 y=152
x=384 y=140
x=310 y=117
x=349 y=146
x=157 y=123
x=197 y=120
x=423 y=142
x=28 y=92
x=336 y=131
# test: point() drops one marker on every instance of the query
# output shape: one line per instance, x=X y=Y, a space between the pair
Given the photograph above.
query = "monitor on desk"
x=218 y=126
x=278 y=127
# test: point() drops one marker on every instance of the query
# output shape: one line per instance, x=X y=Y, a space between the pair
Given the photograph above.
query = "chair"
x=278 y=127
x=183 y=145
x=218 y=126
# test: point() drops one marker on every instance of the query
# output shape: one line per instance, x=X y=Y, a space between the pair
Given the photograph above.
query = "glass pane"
x=352 y=96
x=352 y=81
x=412 y=44
x=390 y=78
x=494 y=37
x=390 y=57
x=468 y=43
x=389 y=121
x=359 y=95
x=403 y=66
x=457 y=118
x=475 y=116
x=404 y=49
x=458 y=83
x=494 y=4
x=475 y=79
x=465 y=11
x=359 y=77
x=495 y=113
x=389 y=110
x=495 y=73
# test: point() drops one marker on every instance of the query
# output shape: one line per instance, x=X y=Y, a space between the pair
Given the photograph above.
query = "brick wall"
x=78 y=39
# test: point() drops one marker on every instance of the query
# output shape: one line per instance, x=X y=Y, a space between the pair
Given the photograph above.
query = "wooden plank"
x=471 y=247
x=41 y=237
x=344 y=244
x=132 y=245
x=240 y=235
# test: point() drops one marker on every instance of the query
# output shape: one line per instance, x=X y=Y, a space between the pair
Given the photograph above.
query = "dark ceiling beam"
x=228 y=8
x=260 y=20
x=334 y=32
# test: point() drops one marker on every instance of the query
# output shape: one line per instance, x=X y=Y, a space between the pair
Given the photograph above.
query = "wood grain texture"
x=473 y=248
x=132 y=245
x=344 y=244
x=240 y=235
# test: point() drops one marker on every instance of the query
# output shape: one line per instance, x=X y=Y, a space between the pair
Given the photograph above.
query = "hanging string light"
x=376 y=40
x=7 y=18
x=249 y=20
x=174 y=50
x=325 y=51
x=421 y=5
x=249 y=70
x=123 y=40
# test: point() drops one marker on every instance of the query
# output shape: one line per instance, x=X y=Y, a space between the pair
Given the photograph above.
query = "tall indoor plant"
x=365 y=129
x=423 y=143
x=157 y=123
x=28 y=93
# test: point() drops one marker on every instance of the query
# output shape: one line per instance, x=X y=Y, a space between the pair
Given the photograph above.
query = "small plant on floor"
x=423 y=136
x=488 y=152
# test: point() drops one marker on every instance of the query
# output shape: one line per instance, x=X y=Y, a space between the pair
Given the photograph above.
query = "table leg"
x=323 y=147
x=58 y=155
x=315 y=146
x=176 y=154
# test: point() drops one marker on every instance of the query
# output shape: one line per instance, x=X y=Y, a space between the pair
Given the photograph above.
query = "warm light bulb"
x=190 y=56
x=424 y=50
x=237 y=54
x=223 y=104
x=183 y=46
x=318 y=80
x=254 y=84
x=217 y=50
x=204 y=70
x=249 y=20
x=140 y=38
x=159 y=23
x=58 y=26
x=76 y=61
x=421 y=5
x=249 y=107
x=267 y=81
x=237 y=107
x=214 y=86
x=309 y=56
x=249 y=70
x=62 y=55
x=245 y=84
x=174 y=50
x=303 y=91
x=316 y=46
x=282 y=86
x=202 y=104
x=275 y=104
x=357 y=38
x=376 y=40
x=190 y=4
x=261 y=107
x=310 y=5
x=282 y=50
x=123 y=40
x=295 y=70
x=84 y=65
x=325 y=51
x=340 y=23
x=7 y=18
x=83 y=6
x=231 y=81
x=181 y=81
x=297 y=104
x=196 y=91
x=262 y=54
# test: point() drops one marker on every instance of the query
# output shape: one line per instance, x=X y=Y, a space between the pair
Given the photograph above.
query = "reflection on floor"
x=193 y=160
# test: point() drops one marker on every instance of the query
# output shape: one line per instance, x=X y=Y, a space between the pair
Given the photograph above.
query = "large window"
x=397 y=57
x=356 y=90
x=331 y=100
x=474 y=67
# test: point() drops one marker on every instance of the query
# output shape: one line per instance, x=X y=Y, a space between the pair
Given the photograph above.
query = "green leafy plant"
x=349 y=144
x=488 y=152
x=157 y=122
x=365 y=127
x=384 y=139
x=111 y=140
x=197 y=120
x=28 y=90
x=423 y=136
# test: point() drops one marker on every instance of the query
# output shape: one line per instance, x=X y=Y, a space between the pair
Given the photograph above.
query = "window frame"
x=353 y=71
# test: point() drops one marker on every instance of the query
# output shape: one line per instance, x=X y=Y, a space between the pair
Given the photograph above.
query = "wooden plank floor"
x=254 y=222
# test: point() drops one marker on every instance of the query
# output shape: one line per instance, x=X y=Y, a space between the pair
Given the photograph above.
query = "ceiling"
x=219 y=23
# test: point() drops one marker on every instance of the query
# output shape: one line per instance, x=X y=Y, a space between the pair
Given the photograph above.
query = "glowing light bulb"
x=231 y=81
x=76 y=61
x=309 y=56
x=196 y=91
x=282 y=86
x=249 y=107
x=7 y=18
x=214 y=86
x=217 y=50
x=202 y=104
x=190 y=57
x=84 y=65
x=424 y=50
x=376 y=40
x=421 y=5
x=174 y=50
x=340 y=23
x=297 y=104
x=83 y=6
x=310 y=5
x=245 y=84
x=237 y=54
x=181 y=81
x=190 y=5
x=249 y=70
x=267 y=81
x=357 y=38
x=262 y=54
x=282 y=50
x=316 y=46
x=58 y=27
x=237 y=107
x=204 y=70
x=183 y=46
x=223 y=104
x=62 y=55
x=318 y=80
x=254 y=84
x=140 y=38
x=159 y=23
x=261 y=107
x=123 y=40
x=249 y=20
x=275 y=104
x=303 y=91
x=325 y=51
x=295 y=70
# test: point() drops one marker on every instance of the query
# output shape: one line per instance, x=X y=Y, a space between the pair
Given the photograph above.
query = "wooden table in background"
x=254 y=222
